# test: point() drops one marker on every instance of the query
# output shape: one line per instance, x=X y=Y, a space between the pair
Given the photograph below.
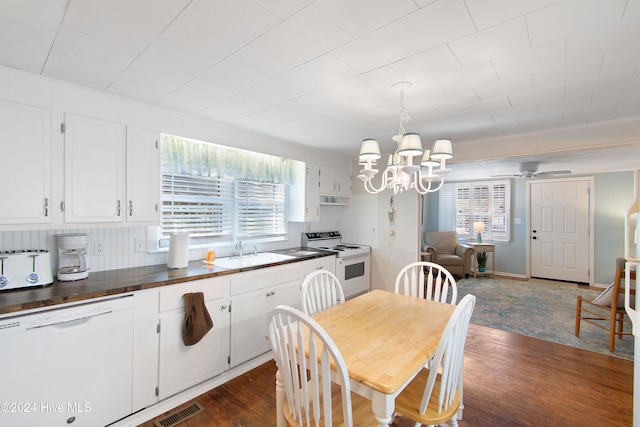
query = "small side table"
x=483 y=247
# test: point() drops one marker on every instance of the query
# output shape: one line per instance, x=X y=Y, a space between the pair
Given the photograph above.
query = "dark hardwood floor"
x=510 y=380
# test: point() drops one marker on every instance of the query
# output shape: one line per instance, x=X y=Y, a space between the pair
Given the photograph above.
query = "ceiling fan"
x=530 y=170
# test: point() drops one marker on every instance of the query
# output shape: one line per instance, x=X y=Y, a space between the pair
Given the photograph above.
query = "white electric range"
x=352 y=260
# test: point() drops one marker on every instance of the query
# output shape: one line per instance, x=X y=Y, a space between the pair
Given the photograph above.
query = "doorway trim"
x=592 y=239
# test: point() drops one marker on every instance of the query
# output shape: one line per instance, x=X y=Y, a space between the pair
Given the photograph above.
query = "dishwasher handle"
x=70 y=321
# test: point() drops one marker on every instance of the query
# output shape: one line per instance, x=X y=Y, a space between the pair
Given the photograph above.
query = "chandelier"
x=401 y=174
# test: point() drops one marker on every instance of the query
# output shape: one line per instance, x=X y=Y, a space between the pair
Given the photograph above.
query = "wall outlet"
x=98 y=247
x=140 y=245
x=373 y=231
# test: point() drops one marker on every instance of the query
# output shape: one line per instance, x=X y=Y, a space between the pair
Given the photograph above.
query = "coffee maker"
x=72 y=257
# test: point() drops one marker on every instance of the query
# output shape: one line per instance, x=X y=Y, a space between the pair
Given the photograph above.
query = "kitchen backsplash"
x=118 y=244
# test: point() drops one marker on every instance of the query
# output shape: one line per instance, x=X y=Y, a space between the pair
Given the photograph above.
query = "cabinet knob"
x=119 y=207
x=46 y=207
x=130 y=208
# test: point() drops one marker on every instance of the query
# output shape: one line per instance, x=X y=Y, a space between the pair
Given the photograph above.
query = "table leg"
x=280 y=421
x=383 y=406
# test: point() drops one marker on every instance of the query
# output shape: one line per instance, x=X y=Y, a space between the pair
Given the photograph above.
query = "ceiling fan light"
x=411 y=145
x=369 y=150
x=442 y=149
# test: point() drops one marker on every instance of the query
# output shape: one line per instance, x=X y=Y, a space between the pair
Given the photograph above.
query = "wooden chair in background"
x=427 y=280
x=606 y=311
x=320 y=290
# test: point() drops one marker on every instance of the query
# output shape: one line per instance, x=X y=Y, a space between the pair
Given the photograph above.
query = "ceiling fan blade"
x=507 y=176
x=561 y=172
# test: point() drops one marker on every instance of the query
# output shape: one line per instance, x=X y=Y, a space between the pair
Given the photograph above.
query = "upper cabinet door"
x=26 y=164
x=94 y=170
x=143 y=175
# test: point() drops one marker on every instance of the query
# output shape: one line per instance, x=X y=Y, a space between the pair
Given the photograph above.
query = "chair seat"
x=408 y=402
x=361 y=409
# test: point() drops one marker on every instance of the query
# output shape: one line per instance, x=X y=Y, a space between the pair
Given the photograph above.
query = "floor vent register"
x=179 y=416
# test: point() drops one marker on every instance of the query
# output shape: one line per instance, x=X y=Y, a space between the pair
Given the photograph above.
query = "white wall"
x=60 y=98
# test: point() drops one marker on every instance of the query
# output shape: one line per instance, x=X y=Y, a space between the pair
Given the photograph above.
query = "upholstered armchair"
x=444 y=249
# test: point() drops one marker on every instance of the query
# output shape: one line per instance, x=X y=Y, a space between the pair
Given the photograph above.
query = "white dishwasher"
x=67 y=366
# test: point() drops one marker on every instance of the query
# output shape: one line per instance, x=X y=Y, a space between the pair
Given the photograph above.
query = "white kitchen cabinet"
x=94 y=154
x=183 y=366
x=253 y=295
x=304 y=193
x=312 y=193
x=325 y=263
x=335 y=185
x=143 y=176
x=26 y=165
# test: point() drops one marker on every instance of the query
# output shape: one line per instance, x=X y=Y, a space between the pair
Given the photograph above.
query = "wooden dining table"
x=385 y=340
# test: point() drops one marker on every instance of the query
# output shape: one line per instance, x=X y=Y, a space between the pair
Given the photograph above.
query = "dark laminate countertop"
x=112 y=282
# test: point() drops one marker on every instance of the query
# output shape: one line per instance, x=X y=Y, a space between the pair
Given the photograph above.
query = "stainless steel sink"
x=251 y=260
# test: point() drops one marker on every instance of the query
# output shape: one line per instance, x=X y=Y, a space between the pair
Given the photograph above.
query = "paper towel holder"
x=178 y=250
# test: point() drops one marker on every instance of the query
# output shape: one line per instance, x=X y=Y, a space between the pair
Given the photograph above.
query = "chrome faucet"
x=255 y=250
x=239 y=249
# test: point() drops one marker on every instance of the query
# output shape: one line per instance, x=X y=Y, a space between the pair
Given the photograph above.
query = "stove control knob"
x=33 y=278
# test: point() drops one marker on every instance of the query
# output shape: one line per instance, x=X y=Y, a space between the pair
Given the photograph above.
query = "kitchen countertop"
x=113 y=282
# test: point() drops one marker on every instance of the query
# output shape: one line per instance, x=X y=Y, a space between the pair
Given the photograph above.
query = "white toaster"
x=25 y=269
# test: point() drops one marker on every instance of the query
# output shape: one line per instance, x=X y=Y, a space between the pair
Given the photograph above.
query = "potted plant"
x=482 y=261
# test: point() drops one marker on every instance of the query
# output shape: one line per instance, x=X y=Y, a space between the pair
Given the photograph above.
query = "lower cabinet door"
x=182 y=366
x=249 y=319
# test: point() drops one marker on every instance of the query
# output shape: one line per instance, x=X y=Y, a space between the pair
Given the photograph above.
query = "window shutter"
x=260 y=209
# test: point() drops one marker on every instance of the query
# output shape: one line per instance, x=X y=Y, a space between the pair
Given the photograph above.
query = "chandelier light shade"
x=401 y=174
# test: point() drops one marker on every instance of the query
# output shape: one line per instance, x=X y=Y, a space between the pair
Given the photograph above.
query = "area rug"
x=537 y=308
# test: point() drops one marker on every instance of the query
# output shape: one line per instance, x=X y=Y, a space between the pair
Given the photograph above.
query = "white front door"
x=559 y=229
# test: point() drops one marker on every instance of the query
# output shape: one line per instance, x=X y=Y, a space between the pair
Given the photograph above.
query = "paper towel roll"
x=178 y=250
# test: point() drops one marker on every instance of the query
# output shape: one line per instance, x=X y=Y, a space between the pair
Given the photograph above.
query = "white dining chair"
x=313 y=396
x=427 y=280
x=320 y=290
x=433 y=397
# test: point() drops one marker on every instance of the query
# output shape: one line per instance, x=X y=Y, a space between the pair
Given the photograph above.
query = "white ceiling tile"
x=259 y=61
x=494 y=42
x=577 y=70
x=537 y=96
x=87 y=60
x=488 y=13
x=548 y=55
x=138 y=22
x=504 y=86
x=27 y=32
x=309 y=33
x=208 y=32
x=476 y=75
x=197 y=95
x=350 y=17
x=558 y=20
x=283 y=8
x=427 y=64
x=433 y=25
x=372 y=51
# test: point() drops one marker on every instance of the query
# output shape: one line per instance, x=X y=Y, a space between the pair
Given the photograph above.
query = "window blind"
x=261 y=209
x=201 y=206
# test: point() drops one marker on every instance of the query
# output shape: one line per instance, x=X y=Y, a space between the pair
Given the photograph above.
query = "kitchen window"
x=221 y=194
x=489 y=202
